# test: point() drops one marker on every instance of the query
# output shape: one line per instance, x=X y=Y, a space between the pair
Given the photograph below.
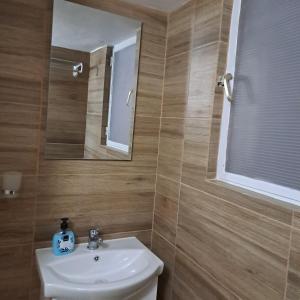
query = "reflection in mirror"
x=92 y=84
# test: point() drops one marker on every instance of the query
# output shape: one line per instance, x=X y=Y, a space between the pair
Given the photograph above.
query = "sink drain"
x=96 y=258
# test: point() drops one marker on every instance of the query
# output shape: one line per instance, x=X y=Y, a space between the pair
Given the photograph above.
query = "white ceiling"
x=163 y=5
x=83 y=28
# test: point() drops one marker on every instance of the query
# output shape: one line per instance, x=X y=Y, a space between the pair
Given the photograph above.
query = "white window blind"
x=263 y=140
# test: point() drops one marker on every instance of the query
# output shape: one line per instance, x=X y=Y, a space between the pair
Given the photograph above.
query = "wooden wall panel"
x=217 y=242
x=22 y=49
x=98 y=103
x=117 y=195
x=228 y=243
x=67 y=104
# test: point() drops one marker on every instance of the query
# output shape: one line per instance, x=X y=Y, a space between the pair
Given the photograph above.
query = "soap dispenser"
x=63 y=242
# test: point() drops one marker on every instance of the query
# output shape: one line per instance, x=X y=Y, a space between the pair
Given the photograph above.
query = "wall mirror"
x=92 y=84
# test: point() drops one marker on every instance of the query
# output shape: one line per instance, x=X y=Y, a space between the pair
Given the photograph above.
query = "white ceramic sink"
x=120 y=269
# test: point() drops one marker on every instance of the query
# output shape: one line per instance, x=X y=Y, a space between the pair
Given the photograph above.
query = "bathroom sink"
x=119 y=269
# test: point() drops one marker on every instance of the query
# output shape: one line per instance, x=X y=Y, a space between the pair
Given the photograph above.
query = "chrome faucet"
x=94 y=240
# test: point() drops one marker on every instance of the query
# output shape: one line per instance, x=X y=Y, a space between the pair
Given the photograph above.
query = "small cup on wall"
x=11 y=184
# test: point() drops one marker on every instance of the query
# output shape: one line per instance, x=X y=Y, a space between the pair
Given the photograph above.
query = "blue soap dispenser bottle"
x=63 y=242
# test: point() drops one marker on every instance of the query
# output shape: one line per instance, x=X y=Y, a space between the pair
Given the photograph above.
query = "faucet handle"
x=94 y=233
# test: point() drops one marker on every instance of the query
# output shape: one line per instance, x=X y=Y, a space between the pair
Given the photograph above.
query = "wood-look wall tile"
x=293 y=281
x=165 y=252
x=167 y=187
x=263 y=205
x=21 y=33
x=14 y=66
x=296 y=218
x=264 y=232
x=24 y=52
x=20 y=91
x=150 y=86
x=213 y=148
x=93 y=134
x=193 y=175
x=165 y=226
x=45 y=5
x=108 y=203
x=149 y=96
x=153 y=44
x=144 y=155
x=15 y=272
x=221 y=65
x=170 y=148
x=67 y=151
x=193 y=283
x=115 y=197
x=180 y=29
x=143 y=236
x=202 y=81
x=208 y=18
x=16 y=232
x=22 y=14
x=146 y=136
x=98 y=104
x=196 y=137
x=176 y=85
x=19 y=124
x=141 y=164
x=152 y=66
x=35 y=287
x=24 y=158
x=172 y=131
x=169 y=167
x=254 y=271
x=67 y=101
x=166 y=208
x=236 y=248
x=226 y=20
x=109 y=224
x=93 y=184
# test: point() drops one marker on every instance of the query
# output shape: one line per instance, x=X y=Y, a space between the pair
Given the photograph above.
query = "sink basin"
x=120 y=269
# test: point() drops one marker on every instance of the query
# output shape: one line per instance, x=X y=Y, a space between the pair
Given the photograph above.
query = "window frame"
x=279 y=192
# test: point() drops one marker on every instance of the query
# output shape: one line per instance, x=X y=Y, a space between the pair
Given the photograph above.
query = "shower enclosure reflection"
x=92 y=84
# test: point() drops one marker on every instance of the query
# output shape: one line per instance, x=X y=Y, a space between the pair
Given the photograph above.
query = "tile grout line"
x=38 y=153
x=192 y=33
x=221 y=20
x=187 y=97
x=159 y=133
x=288 y=261
x=164 y=238
x=194 y=48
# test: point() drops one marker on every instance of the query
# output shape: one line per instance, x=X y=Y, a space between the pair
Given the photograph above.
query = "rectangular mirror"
x=92 y=84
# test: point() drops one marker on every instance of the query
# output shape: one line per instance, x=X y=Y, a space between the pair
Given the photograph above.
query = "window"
x=260 y=133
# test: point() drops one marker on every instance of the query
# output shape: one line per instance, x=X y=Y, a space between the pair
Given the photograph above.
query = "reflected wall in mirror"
x=92 y=84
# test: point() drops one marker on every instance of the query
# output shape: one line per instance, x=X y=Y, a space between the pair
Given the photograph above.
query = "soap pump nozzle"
x=64 y=224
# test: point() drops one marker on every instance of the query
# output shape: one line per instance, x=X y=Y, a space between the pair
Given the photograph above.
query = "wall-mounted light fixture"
x=11 y=183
